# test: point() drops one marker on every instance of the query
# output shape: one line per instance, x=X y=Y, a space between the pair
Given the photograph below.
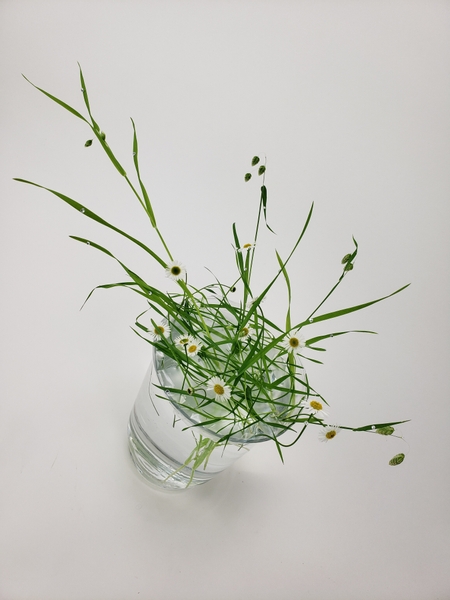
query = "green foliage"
x=264 y=390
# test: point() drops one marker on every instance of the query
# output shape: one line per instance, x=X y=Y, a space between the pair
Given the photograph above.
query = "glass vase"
x=164 y=441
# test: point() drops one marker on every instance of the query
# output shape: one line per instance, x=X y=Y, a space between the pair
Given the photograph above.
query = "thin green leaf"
x=108 y=151
x=86 y=99
x=58 y=101
x=88 y=213
x=264 y=204
x=345 y=311
x=148 y=205
x=237 y=244
x=267 y=289
x=335 y=334
x=288 y=285
x=374 y=426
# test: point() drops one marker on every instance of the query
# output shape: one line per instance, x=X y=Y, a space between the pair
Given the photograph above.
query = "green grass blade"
x=58 y=101
x=109 y=152
x=345 y=311
x=267 y=289
x=106 y=286
x=148 y=205
x=375 y=426
x=152 y=294
x=86 y=98
x=239 y=259
x=264 y=205
x=88 y=213
x=335 y=334
x=96 y=128
x=288 y=285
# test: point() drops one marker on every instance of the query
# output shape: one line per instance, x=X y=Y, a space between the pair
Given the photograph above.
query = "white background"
x=349 y=102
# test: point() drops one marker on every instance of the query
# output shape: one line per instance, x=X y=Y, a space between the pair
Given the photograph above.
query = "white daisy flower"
x=315 y=406
x=220 y=389
x=246 y=247
x=192 y=347
x=161 y=330
x=175 y=270
x=294 y=342
x=328 y=433
x=246 y=332
x=182 y=341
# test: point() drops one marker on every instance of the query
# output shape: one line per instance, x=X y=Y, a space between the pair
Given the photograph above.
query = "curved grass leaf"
x=88 y=213
x=148 y=206
x=346 y=311
x=58 y=101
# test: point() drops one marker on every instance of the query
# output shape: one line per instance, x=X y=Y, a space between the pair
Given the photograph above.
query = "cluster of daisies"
x=217 y=387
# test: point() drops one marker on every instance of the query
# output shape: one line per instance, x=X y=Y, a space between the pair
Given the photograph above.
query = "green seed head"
x=247 y=176
x=255 y=160
x=88 y=143
x=261 y=169
x=346 y=258
x=385 y=430
x=397 y=460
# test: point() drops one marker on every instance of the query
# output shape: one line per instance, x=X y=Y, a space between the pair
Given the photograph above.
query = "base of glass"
x=159 y=469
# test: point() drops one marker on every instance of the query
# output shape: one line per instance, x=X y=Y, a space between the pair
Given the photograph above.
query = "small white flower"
x=161 y=330
x=175 y=270
x=328 y=433
x=182 y=341
x=294 y=342
x=314 y=406
x=220 y=389
x=246 y=332
x=246 y=247
x=192 y=347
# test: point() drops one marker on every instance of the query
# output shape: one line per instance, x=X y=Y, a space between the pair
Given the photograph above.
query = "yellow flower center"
x=192 y=348
x=175 y=270
x=315 y=405
x=159 y=330
x=247 y=246
x=330 y=434
x=294 y=342
x=218 y=389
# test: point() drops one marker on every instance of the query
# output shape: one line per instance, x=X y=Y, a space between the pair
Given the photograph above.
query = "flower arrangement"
x=235 y=372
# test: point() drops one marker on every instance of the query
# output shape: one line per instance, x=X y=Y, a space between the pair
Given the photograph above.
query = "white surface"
x=349 y=102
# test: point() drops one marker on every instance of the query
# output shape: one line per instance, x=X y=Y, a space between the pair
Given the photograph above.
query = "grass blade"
x=346 y=311
x=148 y=205
x=58 y=101
x=88 y=213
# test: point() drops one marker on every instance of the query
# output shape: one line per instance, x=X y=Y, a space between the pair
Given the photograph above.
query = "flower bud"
x=103 y=135
x=397 y=460
x=261 y=169
x=255 y=160
x=247 y=176
x=346 y=258
x=348 y=266
x=88 y=143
